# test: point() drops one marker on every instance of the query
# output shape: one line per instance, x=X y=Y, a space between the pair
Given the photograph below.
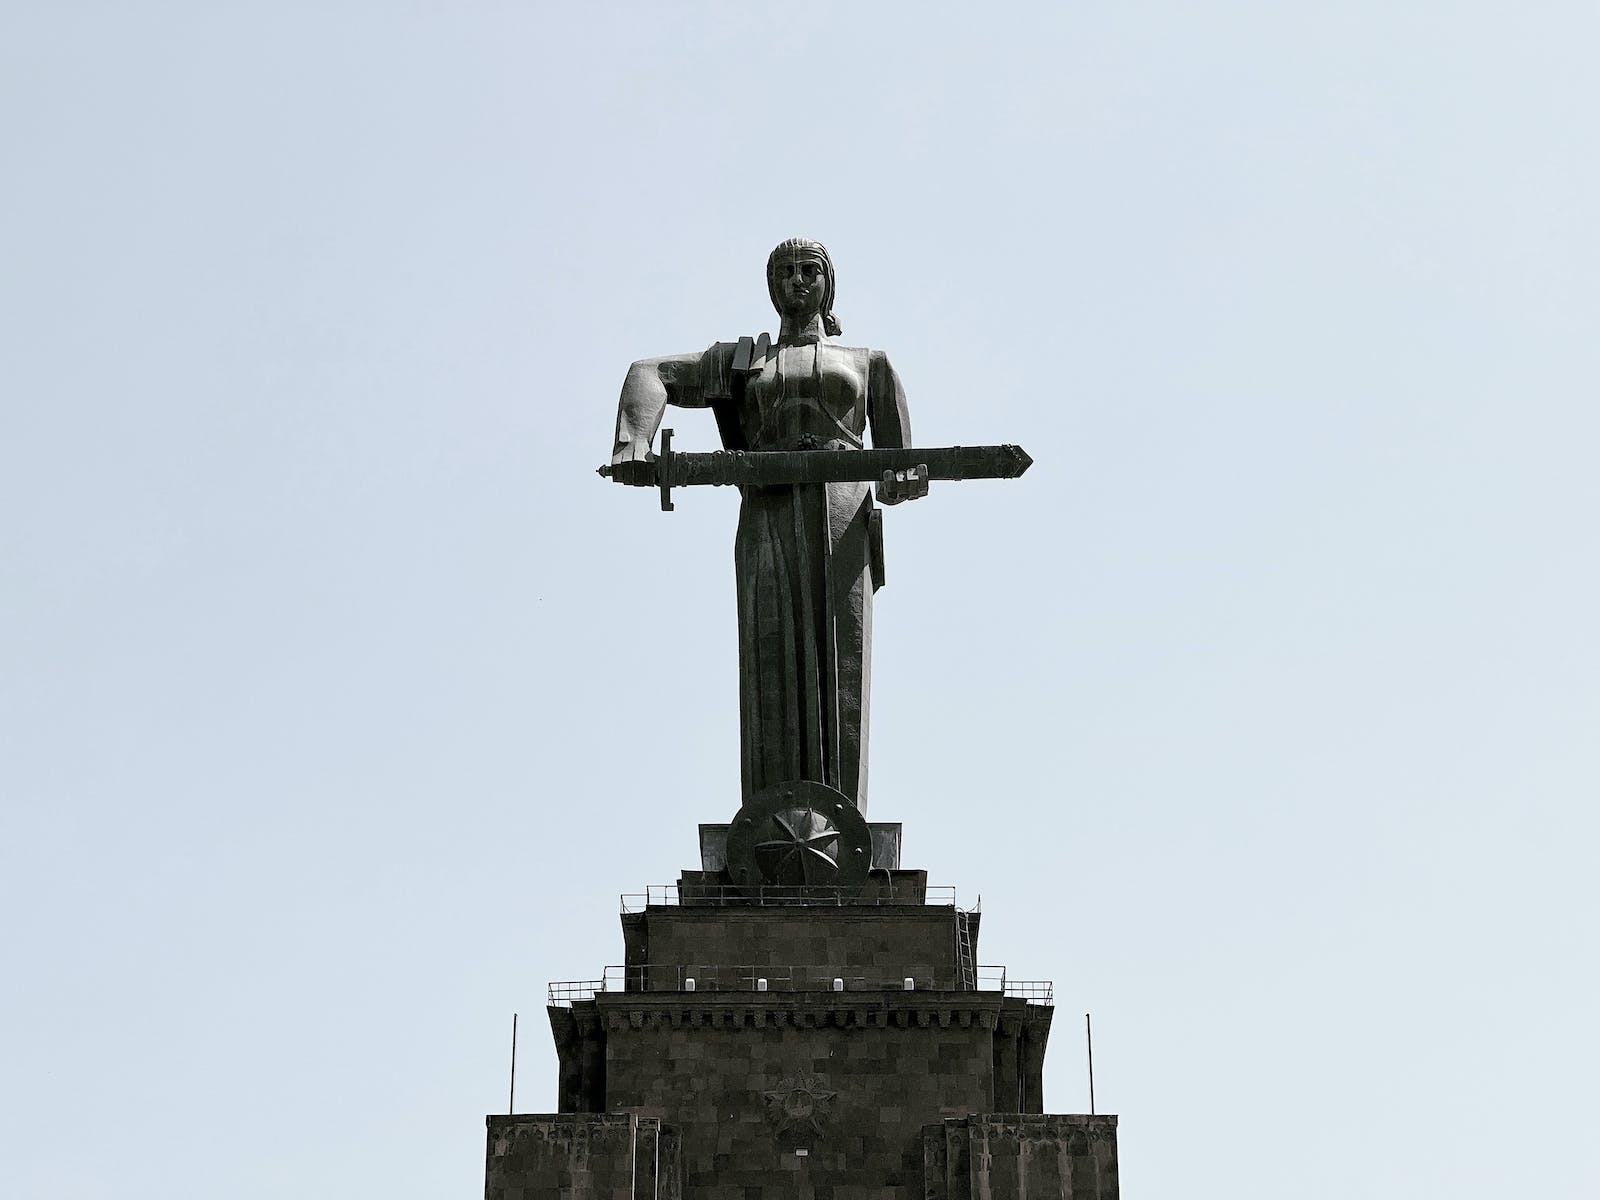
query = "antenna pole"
x=511 y=1104
x=1088 y=1037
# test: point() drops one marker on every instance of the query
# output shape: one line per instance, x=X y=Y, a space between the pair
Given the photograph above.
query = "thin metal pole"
x=511 y=1104
x=1088 y=1036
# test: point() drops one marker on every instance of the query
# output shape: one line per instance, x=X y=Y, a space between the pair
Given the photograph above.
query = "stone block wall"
x=846 y=1081
x=1016 y=1156
x=870 y=1092
x=588 y=1156
x=794 y=949
x=750 y=1086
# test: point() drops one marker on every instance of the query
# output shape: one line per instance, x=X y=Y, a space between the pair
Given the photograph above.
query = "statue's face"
x=799 y=284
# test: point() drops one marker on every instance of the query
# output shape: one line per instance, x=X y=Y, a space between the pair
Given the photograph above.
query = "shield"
x=801 y=841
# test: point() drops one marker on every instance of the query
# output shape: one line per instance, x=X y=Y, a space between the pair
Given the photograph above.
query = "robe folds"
x=807 y=558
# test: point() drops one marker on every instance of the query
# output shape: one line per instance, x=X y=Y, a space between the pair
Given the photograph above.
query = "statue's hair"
x=830 y=323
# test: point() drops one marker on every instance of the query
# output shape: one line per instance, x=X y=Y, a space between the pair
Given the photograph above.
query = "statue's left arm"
x=891 y=429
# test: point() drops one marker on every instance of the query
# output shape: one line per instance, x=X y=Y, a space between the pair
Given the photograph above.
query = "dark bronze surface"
x=795 y=414
x=768 y=468
x=800 y=835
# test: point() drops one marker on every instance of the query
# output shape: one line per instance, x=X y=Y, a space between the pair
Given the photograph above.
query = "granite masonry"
x=801 y=1044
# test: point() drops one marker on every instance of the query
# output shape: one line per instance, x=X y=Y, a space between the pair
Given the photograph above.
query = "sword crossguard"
x=664 y=470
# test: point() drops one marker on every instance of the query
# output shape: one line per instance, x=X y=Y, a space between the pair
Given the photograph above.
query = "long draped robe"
x=807 y=558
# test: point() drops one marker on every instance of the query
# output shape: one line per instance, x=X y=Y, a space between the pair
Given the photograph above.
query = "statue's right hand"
x=633 y=464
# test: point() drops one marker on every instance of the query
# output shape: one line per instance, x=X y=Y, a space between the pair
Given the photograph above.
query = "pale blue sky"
x=339 y=700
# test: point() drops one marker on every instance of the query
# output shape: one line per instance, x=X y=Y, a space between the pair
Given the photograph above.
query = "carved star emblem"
x=799 y=842
x=799 y=1104
x=800 y=846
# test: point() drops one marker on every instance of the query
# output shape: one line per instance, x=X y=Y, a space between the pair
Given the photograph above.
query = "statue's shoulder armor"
x=750 y=354
x=714 y=371
x=733 y=364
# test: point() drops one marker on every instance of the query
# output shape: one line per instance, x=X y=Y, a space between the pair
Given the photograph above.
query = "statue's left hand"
x=896 y=486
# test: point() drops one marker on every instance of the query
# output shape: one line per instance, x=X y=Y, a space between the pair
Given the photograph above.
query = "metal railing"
x=777 y=977
x=991 y=979
x=784 y=977
x=1034 y=991
x=658 y=895
x=562 y=994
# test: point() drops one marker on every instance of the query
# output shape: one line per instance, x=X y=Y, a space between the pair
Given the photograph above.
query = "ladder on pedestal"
x=966 y=969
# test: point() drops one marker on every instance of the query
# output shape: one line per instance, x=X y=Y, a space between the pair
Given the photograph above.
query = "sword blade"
x=769 y=468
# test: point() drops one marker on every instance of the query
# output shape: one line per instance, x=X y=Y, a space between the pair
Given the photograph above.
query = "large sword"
x=766 y=468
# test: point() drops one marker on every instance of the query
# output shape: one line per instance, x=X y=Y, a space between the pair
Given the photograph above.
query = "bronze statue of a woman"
x=807 y=557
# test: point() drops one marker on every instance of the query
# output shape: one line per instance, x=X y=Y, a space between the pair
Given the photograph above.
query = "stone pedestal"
x=592 y=1156
x=784 y=1046
x=1019 y=1156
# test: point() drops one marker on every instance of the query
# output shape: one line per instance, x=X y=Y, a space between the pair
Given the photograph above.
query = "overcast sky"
x=340 y=700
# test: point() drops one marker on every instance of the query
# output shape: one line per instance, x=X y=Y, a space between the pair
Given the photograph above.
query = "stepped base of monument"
x=843 y=1049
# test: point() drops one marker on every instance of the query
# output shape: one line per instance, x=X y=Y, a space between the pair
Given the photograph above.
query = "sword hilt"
x=662 y=469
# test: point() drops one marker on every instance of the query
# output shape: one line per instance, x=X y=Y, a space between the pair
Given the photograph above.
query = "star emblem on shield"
x=800 y=846
x=798 y=840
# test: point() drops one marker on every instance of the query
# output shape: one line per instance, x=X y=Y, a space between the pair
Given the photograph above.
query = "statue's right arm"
x=651 y=385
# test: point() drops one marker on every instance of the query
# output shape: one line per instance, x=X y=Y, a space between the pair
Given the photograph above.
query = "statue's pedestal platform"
x=770 y=1047
x=585 y=1156
x=1016 y=1156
